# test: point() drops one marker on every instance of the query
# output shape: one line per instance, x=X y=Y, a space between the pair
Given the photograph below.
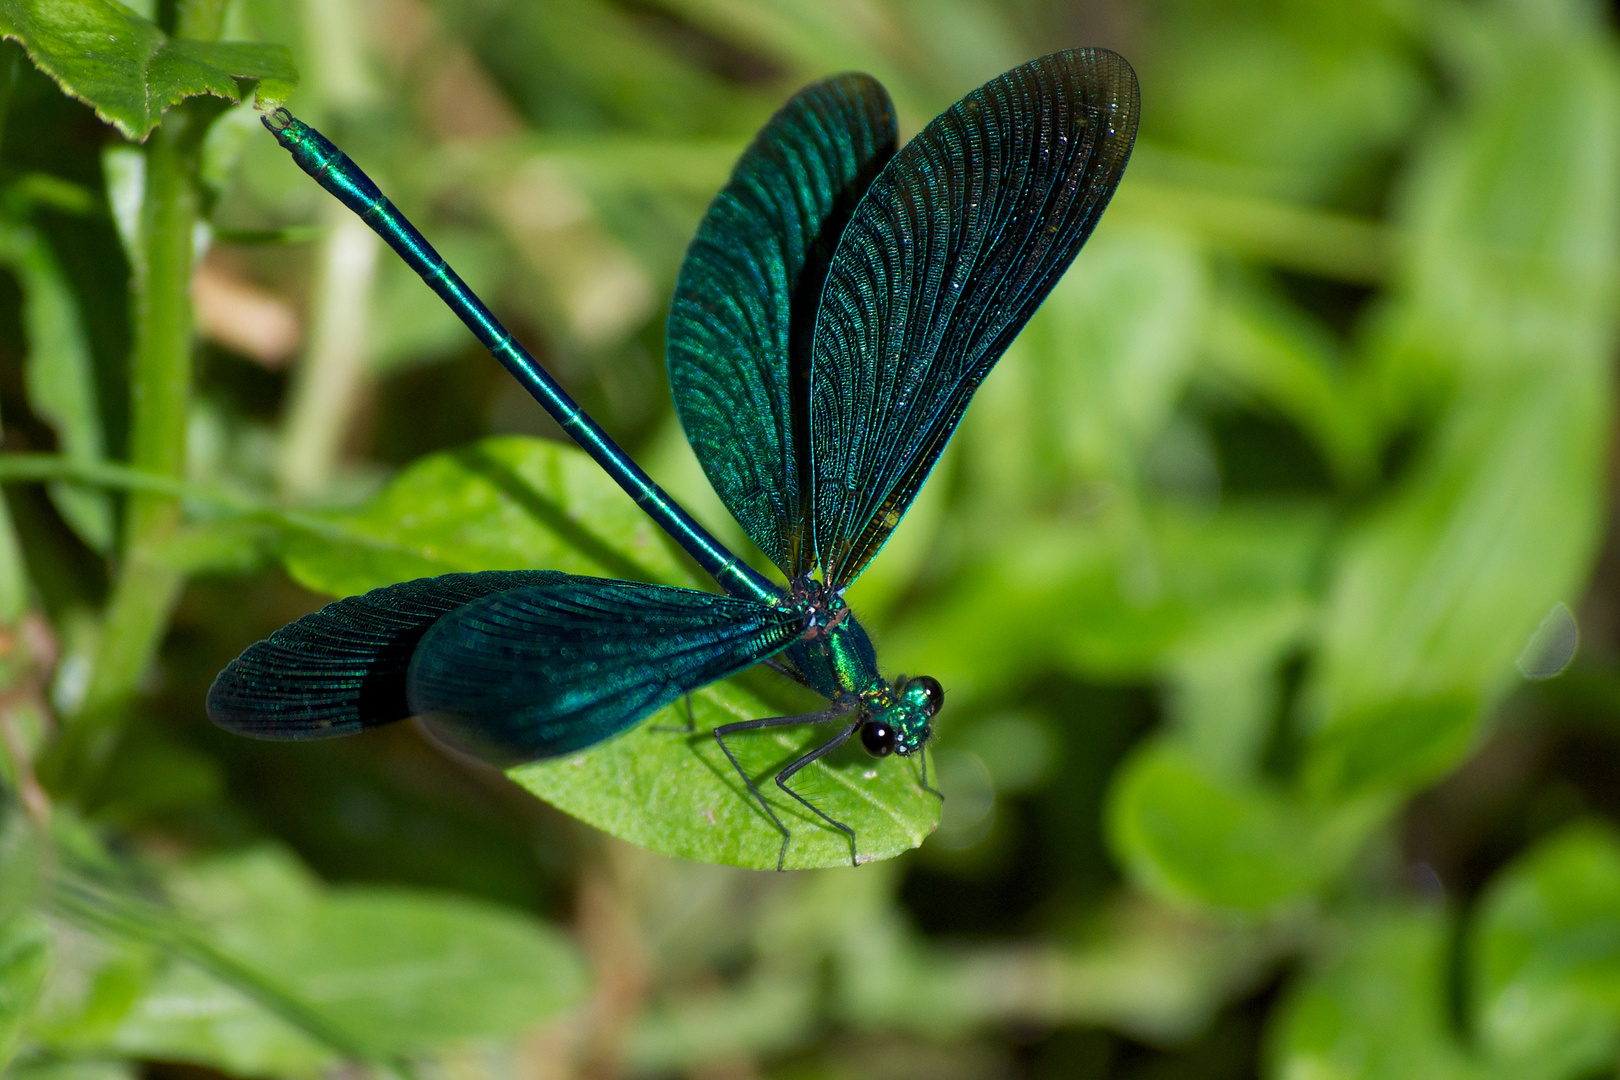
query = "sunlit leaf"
x=1547 y=956
x=1191 y=836
x=24 y=957
x=128 y=70
x=676 y=793
x=400 y=971
x=502 y=504
x=1376 y=1010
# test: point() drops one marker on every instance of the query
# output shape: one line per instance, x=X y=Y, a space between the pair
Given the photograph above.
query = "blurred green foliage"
x=1271 y=575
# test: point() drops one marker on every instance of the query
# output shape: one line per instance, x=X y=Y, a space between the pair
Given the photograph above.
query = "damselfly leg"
x=825 y=717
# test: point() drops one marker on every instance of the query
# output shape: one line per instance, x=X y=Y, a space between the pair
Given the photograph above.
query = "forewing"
x=953 y=247
x=558 y=666
x=744 y=307
x=343 y=668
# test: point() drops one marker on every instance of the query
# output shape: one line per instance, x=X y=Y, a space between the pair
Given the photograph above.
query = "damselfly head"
x=903 y=726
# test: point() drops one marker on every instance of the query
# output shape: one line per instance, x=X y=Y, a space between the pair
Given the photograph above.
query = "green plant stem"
x=200 y=20
x=38 y=468
x=147 y=587
x=28 y=468
x=145 y=591
x=329 y=379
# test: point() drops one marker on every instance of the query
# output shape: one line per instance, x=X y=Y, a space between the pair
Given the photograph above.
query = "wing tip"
x=241 y=704
x=281 y=690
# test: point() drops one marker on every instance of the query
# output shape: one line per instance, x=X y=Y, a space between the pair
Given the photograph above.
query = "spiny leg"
x=787 y=774
x=723 y=730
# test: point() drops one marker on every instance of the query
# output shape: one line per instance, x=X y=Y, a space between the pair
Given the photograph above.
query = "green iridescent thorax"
x=834 y=655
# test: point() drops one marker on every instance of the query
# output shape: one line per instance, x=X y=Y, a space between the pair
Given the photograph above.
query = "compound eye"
x=934 y=692
x=878 y=738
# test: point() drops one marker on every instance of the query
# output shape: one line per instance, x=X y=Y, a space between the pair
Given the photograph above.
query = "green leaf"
x=188 y=1015
x=408 y=970
x=59 y=375
x=676 y=793
x=1547 y=956
x=1376 y=1010
x=1092 y=379
x=92 y=985
x=401 y=971
x=506 y=503
x=1190 y=836
x=1223 y=675
x=404 y=970
x=226 y=546
x=157 y=778
x=25 y=956
x=1435 y=597
x=1401 y=744
x=50 y=1068
x=128 y=70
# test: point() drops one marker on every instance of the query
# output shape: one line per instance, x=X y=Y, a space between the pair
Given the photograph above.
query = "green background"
x=1271 y=575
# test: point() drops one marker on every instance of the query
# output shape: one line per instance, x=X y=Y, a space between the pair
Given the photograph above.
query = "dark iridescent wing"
x=560 y=665
x=740 y=323
x=953 y=247
x=343 y=668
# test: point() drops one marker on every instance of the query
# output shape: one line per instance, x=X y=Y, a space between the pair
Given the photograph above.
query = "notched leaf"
x=129 y=71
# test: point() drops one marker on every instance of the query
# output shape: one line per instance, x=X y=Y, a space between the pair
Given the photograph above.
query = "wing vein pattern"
x=950 y=251
x=744 y=306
